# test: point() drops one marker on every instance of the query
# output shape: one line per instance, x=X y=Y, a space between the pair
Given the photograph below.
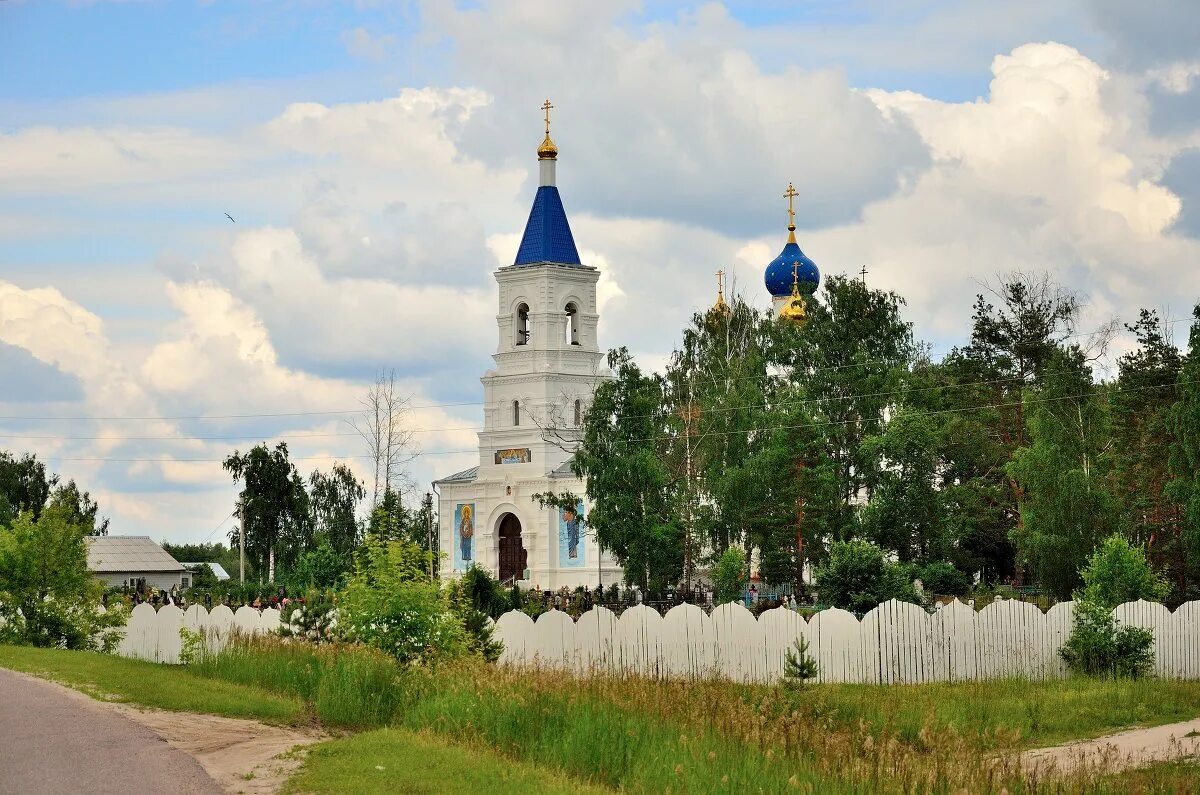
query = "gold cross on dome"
x=795 y=273
x=790 y=194
x=546 y=106
x=720 y=282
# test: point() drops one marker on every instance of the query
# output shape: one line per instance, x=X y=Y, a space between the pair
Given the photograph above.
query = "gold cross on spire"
x=721 y=283
x=790 y=194
x=546 y=106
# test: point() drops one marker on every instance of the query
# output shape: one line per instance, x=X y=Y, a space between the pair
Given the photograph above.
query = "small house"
x=124 y=560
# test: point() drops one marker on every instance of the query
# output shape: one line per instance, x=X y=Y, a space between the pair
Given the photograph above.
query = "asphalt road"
x=54 y=742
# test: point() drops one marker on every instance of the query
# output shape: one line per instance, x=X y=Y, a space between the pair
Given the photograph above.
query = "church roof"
x=466 y=476
x=547 y=235
x=563 y=470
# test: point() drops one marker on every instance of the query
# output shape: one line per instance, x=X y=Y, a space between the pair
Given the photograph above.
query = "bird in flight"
x=230 y=217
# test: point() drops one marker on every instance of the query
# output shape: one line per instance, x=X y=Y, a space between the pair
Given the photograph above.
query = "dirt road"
x=53 y=742
x=1133 y=748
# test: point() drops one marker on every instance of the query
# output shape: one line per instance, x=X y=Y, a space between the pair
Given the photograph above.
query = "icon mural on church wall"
x=464 y=535
x=570 y=537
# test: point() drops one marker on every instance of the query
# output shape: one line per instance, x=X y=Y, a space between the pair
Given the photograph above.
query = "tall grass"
x=710 y=736
x=348 y=687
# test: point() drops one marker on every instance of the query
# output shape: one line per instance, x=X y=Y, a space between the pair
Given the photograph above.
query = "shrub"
x=390 y=604
x=729 y=575
x=942 y=577
x=314 y=621
x=1116 y=572
x=476 y=598
x=1097 y=647
x=857 y=577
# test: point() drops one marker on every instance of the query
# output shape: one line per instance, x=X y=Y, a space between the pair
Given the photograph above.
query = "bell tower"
x=547 y=354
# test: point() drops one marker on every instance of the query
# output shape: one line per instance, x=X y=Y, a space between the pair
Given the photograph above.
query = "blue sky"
x=378 y=159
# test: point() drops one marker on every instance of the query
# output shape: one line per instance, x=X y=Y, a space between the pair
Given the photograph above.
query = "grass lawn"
x=1181 y=777
x=1006 y=713
x=111 y=678
x=398 y=760
x=636 y=734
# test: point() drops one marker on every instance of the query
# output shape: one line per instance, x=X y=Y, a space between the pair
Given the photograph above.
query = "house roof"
x=128 y=553
x=216 y=568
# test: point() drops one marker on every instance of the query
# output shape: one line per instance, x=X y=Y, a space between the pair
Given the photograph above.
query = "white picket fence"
x=896 y=643
x=155 y=636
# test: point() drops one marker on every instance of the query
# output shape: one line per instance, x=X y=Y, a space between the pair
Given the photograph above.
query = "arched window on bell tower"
x=572 y=325
x=516 y=412
x=578 y=412
x=522 y=324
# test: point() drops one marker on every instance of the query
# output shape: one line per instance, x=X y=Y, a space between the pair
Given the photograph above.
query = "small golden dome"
x=795 y=309
x=720 y=308
x=547 y=151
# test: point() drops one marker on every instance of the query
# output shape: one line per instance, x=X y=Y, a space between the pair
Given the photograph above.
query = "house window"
x=187 y=583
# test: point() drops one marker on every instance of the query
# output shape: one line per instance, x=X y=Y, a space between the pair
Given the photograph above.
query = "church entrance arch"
x=512 y=551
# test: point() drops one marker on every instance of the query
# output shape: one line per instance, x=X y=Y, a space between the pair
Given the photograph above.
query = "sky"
x=379 y=161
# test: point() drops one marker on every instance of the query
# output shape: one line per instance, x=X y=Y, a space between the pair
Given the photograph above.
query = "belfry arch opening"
x=572 y=324
x=512 y=554
x=522 y=324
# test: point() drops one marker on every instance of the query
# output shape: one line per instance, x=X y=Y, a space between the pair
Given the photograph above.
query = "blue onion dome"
x=779 y=276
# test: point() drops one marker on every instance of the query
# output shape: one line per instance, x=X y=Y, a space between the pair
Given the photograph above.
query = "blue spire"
x=547 y=235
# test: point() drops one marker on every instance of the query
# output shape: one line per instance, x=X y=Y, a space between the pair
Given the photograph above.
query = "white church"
x=548 y=364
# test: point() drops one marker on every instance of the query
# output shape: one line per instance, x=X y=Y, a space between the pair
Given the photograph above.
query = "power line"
x=746 y=431
x=428 y=406
x=161 y=460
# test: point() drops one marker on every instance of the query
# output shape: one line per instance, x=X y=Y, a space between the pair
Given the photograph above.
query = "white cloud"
x=1044 y=174
x=361 y=43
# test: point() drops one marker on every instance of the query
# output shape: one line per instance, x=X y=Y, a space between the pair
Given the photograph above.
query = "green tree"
x=79 y=507
x=49 y=596
x=46 y=557
x=629 y=487
x=1117 y=572
x=785 y=494
x=1142 y=436
x=333 y=503
x=730 y=575
x=1184 y=463
x=24 y=485
x=273 y=506
x=1013 y=342
x=389 y=603
x=848 y=360
x=1065 y=508
x=907 y=511
x=856 y=576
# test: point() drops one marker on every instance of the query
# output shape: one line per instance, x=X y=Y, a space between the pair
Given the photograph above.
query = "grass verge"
x=650 y=736
x=110 y=678
x=398 y=760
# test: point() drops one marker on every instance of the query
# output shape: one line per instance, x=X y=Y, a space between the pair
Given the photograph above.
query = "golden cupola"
x=547 y=151
x=794 y=309
x=720 y=308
